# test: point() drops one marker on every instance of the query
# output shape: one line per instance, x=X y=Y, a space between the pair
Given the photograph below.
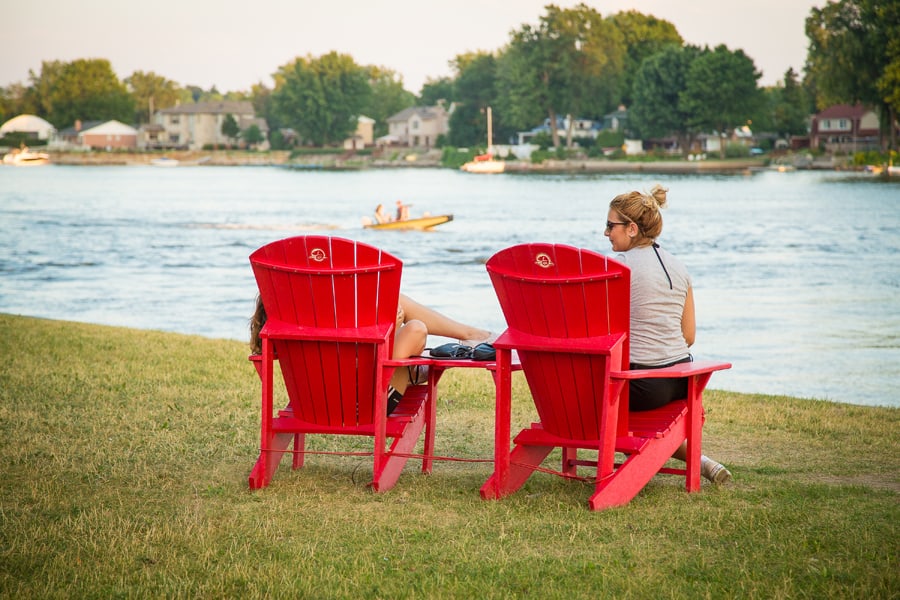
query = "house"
x=418 y=126
x=581 y=128
x=199 y=125
x=109 y=135
x=843 y=127
x=70 y=137
x=363 y=136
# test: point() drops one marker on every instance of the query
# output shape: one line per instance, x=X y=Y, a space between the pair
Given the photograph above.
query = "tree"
x=230 y=127
x=643 y=36
x=151 y=92
x=658 y=87
x=721 y=92
x=435 y=90
x=85 y=89
x=788 y=106
x=569 y=64
x=474 y=90
x=321 y=98
x=252 y=135
x=388 y=97
x=854 y=56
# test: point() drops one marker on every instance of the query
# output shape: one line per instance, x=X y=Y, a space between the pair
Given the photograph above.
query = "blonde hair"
x=642 y=210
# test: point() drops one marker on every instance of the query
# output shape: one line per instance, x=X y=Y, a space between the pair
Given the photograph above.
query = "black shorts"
x=647 y=394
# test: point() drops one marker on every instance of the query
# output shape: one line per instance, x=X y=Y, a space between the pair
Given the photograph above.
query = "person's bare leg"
x=442 y=325
x=409 y=341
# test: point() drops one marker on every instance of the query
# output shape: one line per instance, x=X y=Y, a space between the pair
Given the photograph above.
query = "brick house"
x=194 y=126
x=845 y=128
x=108 y=136
x=418 y=126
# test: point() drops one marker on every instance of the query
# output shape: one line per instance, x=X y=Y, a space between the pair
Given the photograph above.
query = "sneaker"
x=714 y=472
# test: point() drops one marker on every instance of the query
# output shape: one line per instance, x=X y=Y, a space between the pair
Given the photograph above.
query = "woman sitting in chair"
x=663 y=324
x=415 y=322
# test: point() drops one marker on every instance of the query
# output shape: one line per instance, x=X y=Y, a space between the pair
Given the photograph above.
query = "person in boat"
x=380 y=215
x=663 y=324
x=402 y=211
x=415 y=322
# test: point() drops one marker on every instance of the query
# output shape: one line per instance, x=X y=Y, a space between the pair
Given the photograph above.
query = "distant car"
x=756 y=151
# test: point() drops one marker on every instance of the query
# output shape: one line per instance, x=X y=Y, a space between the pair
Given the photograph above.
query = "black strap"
x=659 y=258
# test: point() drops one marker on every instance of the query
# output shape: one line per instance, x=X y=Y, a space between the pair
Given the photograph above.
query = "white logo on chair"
x=543 y=260
x=318 y=255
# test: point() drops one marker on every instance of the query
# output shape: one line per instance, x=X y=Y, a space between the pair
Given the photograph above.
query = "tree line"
x=573 y=62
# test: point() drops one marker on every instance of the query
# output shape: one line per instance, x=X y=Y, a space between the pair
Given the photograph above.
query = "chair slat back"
x=321 y=283
x=565 y=293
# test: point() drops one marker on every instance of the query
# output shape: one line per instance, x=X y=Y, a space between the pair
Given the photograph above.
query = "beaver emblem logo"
x=318 y=255
x=543 y=260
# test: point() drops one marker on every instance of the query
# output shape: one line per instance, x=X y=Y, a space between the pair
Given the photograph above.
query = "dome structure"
x=29 y=124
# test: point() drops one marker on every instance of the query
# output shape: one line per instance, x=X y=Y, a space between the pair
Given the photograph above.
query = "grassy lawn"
x=125 y=457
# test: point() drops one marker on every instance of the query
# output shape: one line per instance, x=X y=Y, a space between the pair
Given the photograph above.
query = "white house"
x=194 y=126
x=418 y=126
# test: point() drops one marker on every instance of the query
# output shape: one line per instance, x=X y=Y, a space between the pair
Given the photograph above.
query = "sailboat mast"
x=490 y=133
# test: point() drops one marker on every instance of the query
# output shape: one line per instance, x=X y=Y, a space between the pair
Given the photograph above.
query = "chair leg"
x=267 y=463
x=639 y=468
x=523 y=460
x=394 y=460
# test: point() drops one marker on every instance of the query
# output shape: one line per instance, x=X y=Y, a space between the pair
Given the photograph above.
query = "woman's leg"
x=409 y=341
x=441 y=325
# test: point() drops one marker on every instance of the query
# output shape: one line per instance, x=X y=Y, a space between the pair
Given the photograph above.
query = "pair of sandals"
x=482 y=352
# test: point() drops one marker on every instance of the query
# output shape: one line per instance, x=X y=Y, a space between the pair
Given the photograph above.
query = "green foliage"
x=454 y=158
x=721 y=90
x=230 y=127
x=435 y=90
x=643 y=37
x=659 y=86
x=736 y=150
x=253 y=135
x=608 y=139
x=83 y=90
x=321 y=98
x=151 y=92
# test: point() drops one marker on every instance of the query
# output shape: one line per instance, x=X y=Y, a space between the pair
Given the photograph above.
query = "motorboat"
x=425 y=223
x=23 y=157
x=164 y=161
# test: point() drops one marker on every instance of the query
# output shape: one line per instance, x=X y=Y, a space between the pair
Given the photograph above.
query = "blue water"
x=796 y=275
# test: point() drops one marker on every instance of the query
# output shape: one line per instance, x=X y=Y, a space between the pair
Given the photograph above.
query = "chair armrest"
x=518 y=340
x=374 y=334
x=687 y=369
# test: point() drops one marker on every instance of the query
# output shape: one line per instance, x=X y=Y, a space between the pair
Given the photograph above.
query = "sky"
x=233 y=45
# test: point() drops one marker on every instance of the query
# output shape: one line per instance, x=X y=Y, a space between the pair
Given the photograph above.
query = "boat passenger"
x=380 y=215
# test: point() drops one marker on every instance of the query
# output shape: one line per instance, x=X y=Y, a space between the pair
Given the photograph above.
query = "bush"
x=737 y=151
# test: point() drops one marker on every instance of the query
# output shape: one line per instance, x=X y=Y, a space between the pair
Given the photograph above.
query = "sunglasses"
x=611 y=224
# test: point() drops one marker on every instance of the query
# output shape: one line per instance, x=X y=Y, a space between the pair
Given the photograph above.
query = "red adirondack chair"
x=331 y=308
x=567 y=312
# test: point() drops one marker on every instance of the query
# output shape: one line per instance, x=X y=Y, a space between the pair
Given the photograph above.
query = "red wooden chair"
x=567 y=312
x=331 y=308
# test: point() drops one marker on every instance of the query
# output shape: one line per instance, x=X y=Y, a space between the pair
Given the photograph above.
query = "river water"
x=796 y=275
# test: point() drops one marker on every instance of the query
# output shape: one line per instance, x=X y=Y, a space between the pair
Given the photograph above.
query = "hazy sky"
x=233 y=45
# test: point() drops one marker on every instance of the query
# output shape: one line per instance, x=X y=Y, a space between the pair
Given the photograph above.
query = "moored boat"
x=419 y=223
x=23 y=157
x=164 y=161
x=485 y=163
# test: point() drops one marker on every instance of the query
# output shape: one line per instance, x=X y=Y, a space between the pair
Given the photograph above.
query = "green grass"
x=125 y=457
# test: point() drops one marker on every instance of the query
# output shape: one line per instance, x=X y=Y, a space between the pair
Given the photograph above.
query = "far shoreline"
x=405 y=158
